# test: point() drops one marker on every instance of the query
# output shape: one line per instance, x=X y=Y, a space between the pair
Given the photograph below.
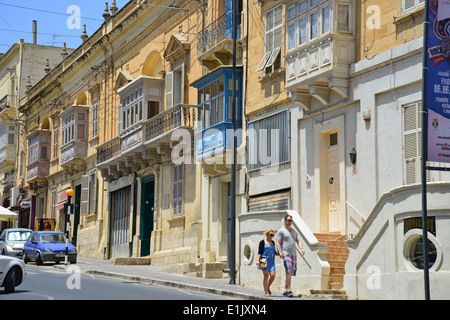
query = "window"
x=95 y=120
x=68 y=129
x=268 y=141
x=7 y=135
x=307 y=20
x=92 y=192
x=55 y=142
x=273 y=40
x=132 y=108
x=211 y=101
x=33 y=145
x=412 y=143
x=175 y=87
x=178 y=190
x=411 y=4
x=53 y=203
x=74 y=122
x=140 y=100
x=21 y=163
x=39 y=146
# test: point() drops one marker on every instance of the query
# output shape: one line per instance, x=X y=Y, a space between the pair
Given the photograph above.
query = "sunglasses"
x=271 y=235
x=289 y=220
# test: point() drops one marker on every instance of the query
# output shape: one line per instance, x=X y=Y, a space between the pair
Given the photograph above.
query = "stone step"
x=327 y=236
x=131 y=261
x=327 y=294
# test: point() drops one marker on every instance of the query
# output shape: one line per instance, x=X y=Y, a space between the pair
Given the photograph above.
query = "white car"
x=12 y=273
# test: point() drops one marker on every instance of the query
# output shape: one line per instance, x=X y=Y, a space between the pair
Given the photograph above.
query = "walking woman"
x=266 y=251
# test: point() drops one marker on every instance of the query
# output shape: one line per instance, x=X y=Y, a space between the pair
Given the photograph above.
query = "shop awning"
x=6 y=214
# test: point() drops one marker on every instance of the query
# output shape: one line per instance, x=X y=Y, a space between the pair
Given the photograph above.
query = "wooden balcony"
x=72 y=155
x=145 y=143
x=37 y=173
x=38 y=167
x=7 y=158
x=7 y=110
x=319 y=70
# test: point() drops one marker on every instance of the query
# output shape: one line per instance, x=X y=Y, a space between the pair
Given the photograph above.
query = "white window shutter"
x=93 y=193
x=84 y=208
x=263 y=63
x=408 y=4
x=169 y=90
x=412 y=143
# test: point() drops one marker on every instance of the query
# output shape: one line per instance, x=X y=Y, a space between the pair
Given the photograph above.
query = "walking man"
x=286 y=238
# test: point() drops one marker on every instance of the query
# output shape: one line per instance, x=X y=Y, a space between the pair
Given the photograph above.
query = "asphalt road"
x=48 y=283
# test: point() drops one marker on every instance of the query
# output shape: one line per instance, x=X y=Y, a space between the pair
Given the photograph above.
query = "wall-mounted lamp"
x=353 y=156
x=367 y=114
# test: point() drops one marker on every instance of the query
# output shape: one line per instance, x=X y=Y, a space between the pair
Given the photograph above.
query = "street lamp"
x=69 y=193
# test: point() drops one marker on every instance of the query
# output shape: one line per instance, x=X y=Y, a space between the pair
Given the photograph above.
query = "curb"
x=172 y=284
x=176 y=285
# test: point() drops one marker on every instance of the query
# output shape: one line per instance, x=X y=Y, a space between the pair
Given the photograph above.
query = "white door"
x=333 y=188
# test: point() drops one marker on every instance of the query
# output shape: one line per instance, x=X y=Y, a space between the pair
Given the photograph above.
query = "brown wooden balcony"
x=38 y=158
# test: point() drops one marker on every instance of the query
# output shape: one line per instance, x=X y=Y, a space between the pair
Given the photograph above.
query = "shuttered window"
x=268 y=141
x=411 y=4
x=84 y=208
x=412 y=143
x=175 y=87
x=273 y=40
x=178 y=191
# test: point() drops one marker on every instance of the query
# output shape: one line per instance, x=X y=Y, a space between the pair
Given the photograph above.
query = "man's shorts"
x=290 y=264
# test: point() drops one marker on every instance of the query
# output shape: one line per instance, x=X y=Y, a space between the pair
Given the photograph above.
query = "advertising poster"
x=438 y=81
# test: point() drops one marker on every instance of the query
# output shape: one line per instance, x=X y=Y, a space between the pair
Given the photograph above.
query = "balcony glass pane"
x=213 y=111
x=207 y=115
x=220 y=109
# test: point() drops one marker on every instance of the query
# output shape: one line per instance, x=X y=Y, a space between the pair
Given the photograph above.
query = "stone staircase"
x=337 y=256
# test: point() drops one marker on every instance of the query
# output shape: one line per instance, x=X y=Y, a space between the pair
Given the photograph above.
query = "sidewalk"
x=154 y=275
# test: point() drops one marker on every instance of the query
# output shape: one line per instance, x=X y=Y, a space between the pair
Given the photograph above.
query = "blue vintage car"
x=43 y=246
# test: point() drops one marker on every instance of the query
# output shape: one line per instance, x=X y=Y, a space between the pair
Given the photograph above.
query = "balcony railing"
x=108 y=150
x=177 y=117
x=219 y=30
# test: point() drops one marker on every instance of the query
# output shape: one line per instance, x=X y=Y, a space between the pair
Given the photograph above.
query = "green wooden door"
x=147 y=209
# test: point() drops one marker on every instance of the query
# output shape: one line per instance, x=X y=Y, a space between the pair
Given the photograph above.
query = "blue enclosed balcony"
x=214 y=111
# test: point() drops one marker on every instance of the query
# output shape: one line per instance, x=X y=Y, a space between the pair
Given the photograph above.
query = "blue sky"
x=57 y=20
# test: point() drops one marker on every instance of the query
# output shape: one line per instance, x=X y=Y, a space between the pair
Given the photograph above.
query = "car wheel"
x=24 y=257
x=10 y=281
x=38 y=259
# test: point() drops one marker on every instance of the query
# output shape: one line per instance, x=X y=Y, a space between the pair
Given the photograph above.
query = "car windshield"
x=18 y=235
x=53 y=238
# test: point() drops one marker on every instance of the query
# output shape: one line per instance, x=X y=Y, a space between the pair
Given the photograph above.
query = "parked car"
x=12 y=241
x=12 y=273
x=43 y=246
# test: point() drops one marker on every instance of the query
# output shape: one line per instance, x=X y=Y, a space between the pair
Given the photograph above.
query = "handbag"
x=263 y=263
